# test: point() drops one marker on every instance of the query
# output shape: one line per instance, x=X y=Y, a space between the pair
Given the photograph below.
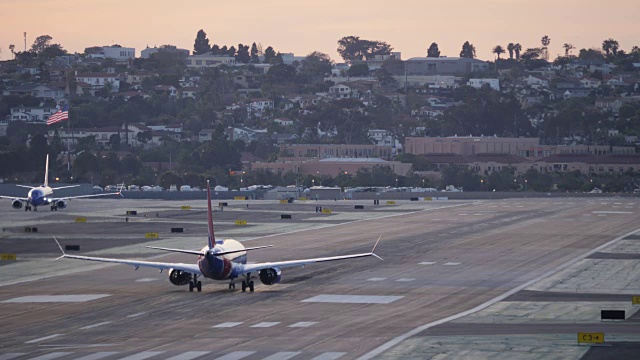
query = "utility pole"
x=25 y=41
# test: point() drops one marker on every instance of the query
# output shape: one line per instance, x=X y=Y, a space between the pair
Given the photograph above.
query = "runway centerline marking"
x=451 y=264
x=142 y=355
x=236 y=355
x=227 y=325
x=397 y=340
x=405 y=279
x=427 y=263
x=136 y=314
x=55 y=298
x=612 y=212
x=353 y=299
x=147 y=279
x=189 y=355
x=302 y=324
x=43 y=339
x=265 y=324
x=95 y=325
x=377 y=279
x=53 y=355
x=330 y=356
x=284 y=355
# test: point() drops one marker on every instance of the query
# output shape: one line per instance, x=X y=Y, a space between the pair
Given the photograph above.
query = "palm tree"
x=517 y=48
x=567 y=48
x=610 y=46
x=498 y=50
x=545 y=45
x=12 y=48
x=510 y=48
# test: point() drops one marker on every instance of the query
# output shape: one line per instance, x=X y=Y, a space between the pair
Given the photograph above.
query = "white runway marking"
x=612 y=212
x=265 y=324
x=302 y=324
x=463 y=214
x=405 y=279
x=142 y=355
x=10 y=356
x=136 y=314
x=377 y=279
x=329 y=356
x=227 y=325
x=189 y=355
x=353 y=299
x=95 y=325
x=451 y=264
x=53 y=355
x=284 y=355
x=398 y=339
x=43 y=338
x=236 y=355
x=427 y=263
x=55 y=298
x=147 y=280
x=98 y=355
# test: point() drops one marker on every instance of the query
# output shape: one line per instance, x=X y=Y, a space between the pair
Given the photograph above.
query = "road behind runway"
x=436 y=263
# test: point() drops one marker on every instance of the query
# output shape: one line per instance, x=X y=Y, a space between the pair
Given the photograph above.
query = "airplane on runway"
x=41 y=195
x=220 y=260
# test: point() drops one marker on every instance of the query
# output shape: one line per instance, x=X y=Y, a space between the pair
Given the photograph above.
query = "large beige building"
x=322 y=151
x=331 y=166
x=529 y=148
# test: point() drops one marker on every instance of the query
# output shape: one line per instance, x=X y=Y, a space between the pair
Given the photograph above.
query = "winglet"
x=61 y=249
x=212 y=239
x=120 y=190
x=374 y=248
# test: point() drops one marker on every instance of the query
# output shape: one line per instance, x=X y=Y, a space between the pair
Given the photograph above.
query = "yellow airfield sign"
x=151 y=235
x=8 y=257
x=241 y=222
x=81 y=219
x=327 y=211
x=185 y=207
x=590 y=338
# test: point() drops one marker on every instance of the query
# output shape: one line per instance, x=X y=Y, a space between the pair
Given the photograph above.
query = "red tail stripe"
x=212 y=239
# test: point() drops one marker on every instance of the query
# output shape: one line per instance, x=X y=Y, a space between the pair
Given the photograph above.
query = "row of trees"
x=243 y=53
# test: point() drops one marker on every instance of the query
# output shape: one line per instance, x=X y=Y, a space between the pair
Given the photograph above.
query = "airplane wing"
x=84 y=196
x=14 y=198
x=190 y=268
x=292 y=263
x=64 y=187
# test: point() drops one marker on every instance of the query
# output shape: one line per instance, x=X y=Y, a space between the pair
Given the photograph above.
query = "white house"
x=97 y=80
x=258 y=106
x=283 y=121
x=340 y=91
x=188 y=92
x=209 y=60
x=36 y=90
x=31 y=114
x=119 y=53
x=536 y=82
x=385 y=138
x=590 y=83
x=478 y=83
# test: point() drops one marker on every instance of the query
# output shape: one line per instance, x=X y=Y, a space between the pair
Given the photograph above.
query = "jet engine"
x=179 y=277
x=270 y=276
x=16 y=204
x=61 y=204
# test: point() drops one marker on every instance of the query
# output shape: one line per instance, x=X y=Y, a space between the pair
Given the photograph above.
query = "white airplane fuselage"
x=39 y=196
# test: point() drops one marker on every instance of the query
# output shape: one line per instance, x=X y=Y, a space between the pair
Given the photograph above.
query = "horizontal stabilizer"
x=220 y=253
x=64 y=187
x=192 y=252
x=27 y=186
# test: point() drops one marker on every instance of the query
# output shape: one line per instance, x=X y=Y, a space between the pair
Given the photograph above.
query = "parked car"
x=97 y=188
x=134 y=188
x=185 y=188
x=173 y=188
x=111 y=188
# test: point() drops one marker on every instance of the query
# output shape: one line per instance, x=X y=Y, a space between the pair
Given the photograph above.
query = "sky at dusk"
x=301 y=27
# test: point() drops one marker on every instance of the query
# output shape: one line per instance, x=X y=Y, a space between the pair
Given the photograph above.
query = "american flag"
x=60 y=115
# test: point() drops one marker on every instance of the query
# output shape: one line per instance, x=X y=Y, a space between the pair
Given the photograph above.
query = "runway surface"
x=440 y=259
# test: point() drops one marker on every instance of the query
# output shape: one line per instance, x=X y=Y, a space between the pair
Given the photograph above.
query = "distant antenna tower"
x=25 y=41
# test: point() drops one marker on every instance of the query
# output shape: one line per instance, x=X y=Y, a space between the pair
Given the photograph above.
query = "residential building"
x=206 y=135
x=444 y=66
x=290 y=58
x=284 y=138
x=245 y=134
x=31 y=114
x=188 y=92
x=120 y=54
x=340 y=91
x=209 y=60
x=609 y=104
x=256 y=107
x=138 y=77
x=478 y=83
x=36 y=90
x=536 y=82
x=283 y=121
x=148 y=51
x=95 y=81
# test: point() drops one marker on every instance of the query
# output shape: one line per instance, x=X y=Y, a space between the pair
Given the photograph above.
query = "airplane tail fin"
x=46 y=172
x=212 y=239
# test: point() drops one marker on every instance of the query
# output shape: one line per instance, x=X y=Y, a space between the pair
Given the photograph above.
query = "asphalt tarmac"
x=440 y=259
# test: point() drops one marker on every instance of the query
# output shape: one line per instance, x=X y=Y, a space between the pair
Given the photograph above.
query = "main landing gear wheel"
x=232 y=285
x=247 y=283
x=54 y=208
x=195 y=284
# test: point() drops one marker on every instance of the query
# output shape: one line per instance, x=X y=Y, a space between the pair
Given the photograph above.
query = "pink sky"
x=302 y=27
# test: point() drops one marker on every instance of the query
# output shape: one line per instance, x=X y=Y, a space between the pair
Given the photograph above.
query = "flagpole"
x=69 y=144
